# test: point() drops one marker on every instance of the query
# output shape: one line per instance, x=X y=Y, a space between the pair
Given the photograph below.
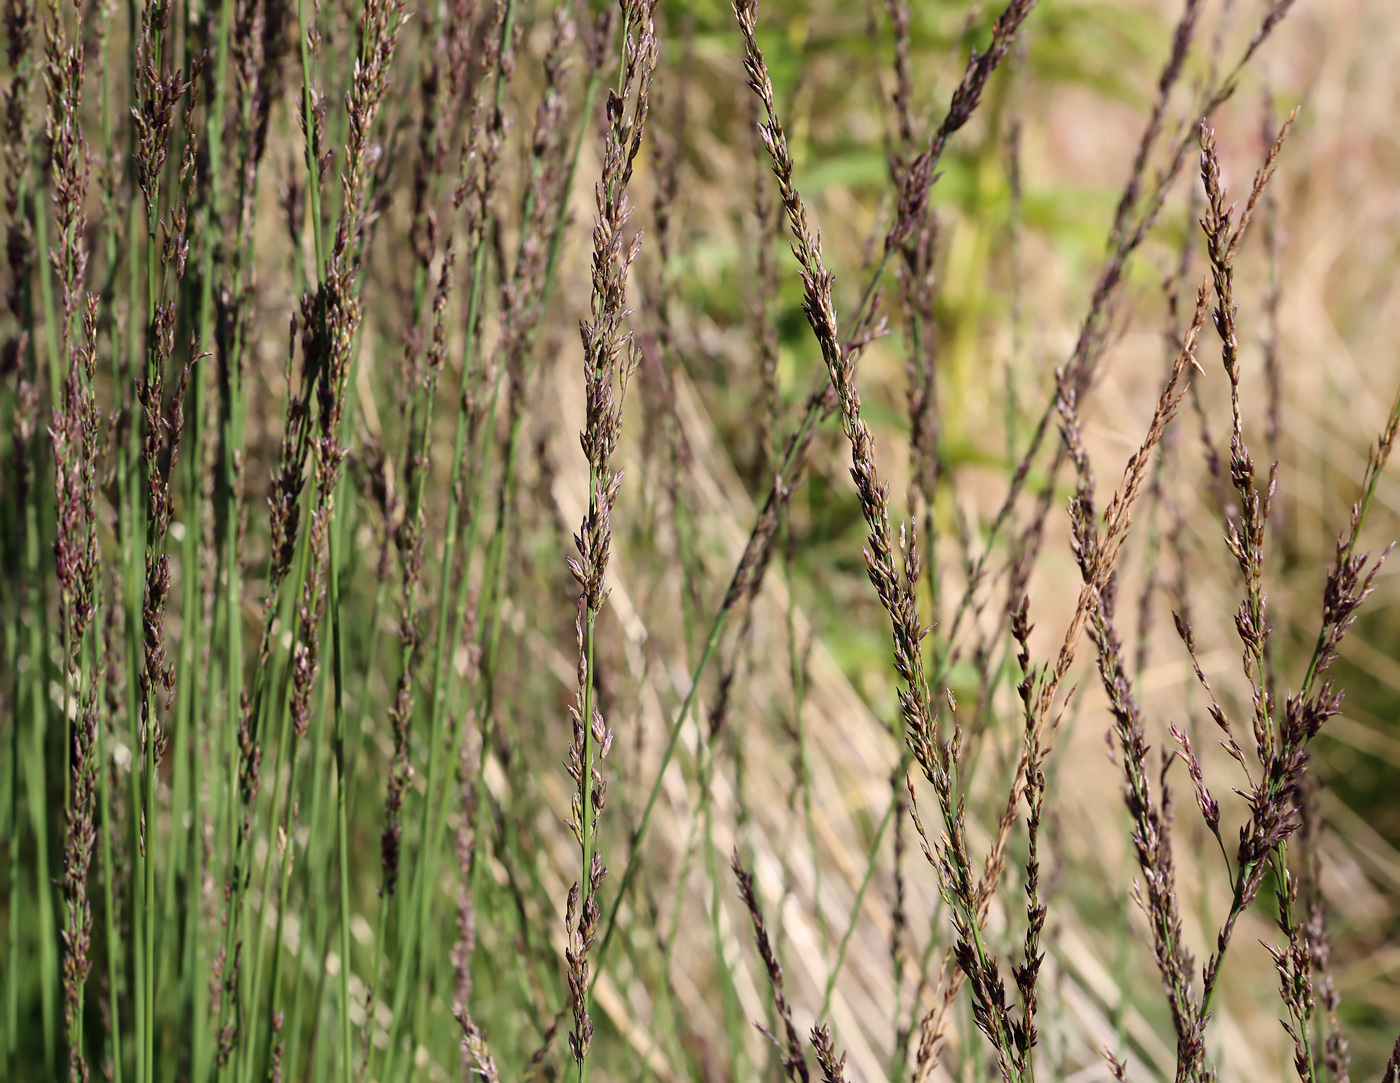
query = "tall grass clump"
x=387 y=695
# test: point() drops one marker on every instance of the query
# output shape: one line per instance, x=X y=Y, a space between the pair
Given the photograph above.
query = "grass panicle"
x=610 y=357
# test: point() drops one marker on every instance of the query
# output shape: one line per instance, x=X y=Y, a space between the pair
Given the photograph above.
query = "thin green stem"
x=36 y=791
x=15 y=908
x=341 y=814
x=629 y=871
x=859 y=900
x=286 y=751
x=785 y=474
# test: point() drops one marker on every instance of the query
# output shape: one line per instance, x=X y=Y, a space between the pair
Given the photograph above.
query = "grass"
x=359 y=722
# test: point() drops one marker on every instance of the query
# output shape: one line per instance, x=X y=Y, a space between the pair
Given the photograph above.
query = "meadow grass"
x=361 y=724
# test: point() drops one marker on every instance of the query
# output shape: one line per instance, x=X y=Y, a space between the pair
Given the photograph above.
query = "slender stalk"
x=341 y=816
x=835 y=970
x=609 y=359
x=14 y=904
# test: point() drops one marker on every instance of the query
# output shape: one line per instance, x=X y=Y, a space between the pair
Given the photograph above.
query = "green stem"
x=840 y=961
x=315 y=932
x=639 y=832
x=36 y=790
x=288 y=841
x=14 y=909
x=717 y=625
x=48 y=930
x=285 y=750
x=342 y=830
